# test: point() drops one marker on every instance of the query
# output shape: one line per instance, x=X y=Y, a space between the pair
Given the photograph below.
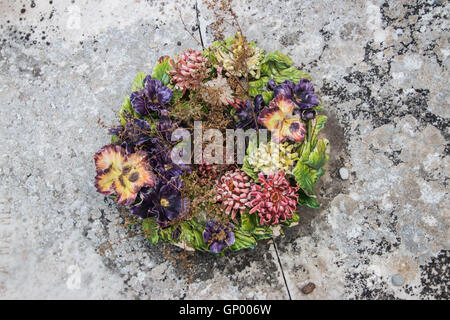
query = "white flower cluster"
x=272 y=157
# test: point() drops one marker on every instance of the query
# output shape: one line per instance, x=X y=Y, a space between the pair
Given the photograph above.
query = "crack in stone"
x=281 y=267
x=197 y=12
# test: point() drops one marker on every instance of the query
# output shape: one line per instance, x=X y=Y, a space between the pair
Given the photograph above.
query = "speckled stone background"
x=381 y=69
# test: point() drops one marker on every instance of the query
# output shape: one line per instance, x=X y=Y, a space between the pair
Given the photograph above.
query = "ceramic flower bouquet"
x=206 y=198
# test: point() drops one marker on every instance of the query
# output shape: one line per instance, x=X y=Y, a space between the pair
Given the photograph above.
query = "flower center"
x=134 y=177
x=164 y=202
x=230 y=186
x=275 y=197
x=219 y=236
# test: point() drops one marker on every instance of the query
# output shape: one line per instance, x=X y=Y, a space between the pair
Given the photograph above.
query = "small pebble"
x=397 y=280
x=308 y=288
x=343 y=173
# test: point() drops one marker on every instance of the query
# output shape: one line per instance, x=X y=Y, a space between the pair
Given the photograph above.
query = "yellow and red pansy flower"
x=280 y=120
x=122 y=174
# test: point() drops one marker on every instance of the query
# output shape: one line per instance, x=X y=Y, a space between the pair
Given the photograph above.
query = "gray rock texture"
x=381 y=70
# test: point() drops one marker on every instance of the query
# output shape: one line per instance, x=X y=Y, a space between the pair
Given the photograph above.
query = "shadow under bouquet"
x=173 y=162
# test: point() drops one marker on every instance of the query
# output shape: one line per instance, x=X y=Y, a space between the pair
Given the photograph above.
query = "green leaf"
x=160 y=72
x=199 y=244
x=127 y=108
x=253 y=91
x=114 y=139
x=295 y=218
x=166 y=234
x=252 y=145
x=187 y=234
x=243 y=241
x=267 y=96
x=266 y=69
x=248 y=169
x=305 y=177
x=291 y=74
x=304 y=151
x=261 y=233
x=150 y=228
x=229 y=42
x=193 y=235
x=138 y=83
x=319 y=124
x=307 y=200
x=318 y=157
x=257 y=86
x=249 y=221
x=318 y=108
x=274 y=62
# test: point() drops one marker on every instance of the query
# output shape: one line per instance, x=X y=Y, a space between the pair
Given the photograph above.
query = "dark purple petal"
x=163 y=112
x=284 y=90
x=304 y=96
x=206 y=236
x=304 y=85
x=154 y=97
x=139 y=103
x=312 y=99
x=230 y=240
x=259 y=103
x=136 y=133
x=308 y=114
x=294 y=127
x=271 y=84
x=216 y=247
x=151 y=86
x=248 y=113
x=143 y=209
x=164 y=95
x=116 y=131
x=165 y=127
x=129 y=147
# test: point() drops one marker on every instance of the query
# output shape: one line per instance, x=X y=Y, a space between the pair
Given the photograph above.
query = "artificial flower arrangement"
x=215 y=207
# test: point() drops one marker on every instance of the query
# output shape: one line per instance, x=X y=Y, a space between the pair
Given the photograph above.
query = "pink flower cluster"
x=232 y=191
x=274 y=199
x=189 y=70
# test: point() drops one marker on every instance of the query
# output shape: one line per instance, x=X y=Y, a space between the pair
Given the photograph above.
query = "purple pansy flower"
x=218 y=236
x=154 y=97
x=164 y=202
x=304 y=96
x=301 y=93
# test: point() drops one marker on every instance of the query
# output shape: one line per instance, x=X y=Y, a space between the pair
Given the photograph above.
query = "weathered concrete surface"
x=381 y=69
